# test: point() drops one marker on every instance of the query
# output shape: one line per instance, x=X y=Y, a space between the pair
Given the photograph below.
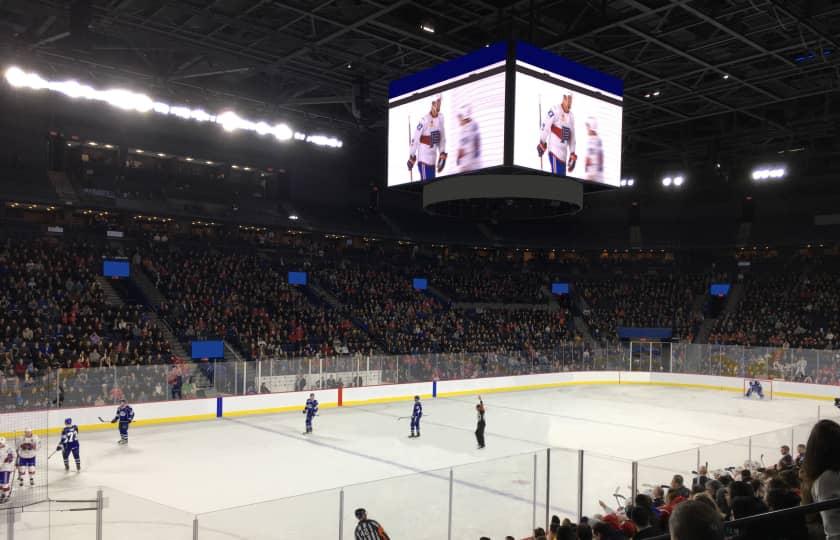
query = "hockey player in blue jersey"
x=70 y=444
x=310 y=410
x=416 y=414
x=125 y=415
x=755 y=387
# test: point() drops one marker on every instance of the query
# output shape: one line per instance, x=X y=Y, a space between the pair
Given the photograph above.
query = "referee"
x=368 y=529
x=479 y=429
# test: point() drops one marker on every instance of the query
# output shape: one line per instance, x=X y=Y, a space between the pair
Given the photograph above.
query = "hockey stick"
x=103 y=420
x=411 y=170
x=539 y=101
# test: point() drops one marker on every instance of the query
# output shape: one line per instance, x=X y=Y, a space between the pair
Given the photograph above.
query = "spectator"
x=678 y=487
x=779 y=497
x=786 y=460
x=822 y=471
x=695 y=520
x=699 y=481
x=368 y=529
x=800 y=455
x=641 y=518
x=744 y=503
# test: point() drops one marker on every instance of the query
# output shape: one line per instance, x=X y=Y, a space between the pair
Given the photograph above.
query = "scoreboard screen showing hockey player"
x=567 y=118
x=448 y=119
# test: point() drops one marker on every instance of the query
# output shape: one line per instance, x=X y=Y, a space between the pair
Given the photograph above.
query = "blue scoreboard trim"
x=567 y=68
x=486 y=56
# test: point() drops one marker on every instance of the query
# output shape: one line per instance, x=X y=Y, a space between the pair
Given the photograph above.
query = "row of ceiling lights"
x=128 y=100
x=760 y=174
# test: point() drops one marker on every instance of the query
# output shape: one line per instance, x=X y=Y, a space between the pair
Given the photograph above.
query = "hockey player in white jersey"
x=7 y=469
x=428 y=145
x=557 y=136
x=27 y=451
x=594 y=166
x=469 y=141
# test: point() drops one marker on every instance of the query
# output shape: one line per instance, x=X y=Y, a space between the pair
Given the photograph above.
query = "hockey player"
x=368 y=529
x=310 y=410
x=594 y=166
x=27 y=450
x=7 y=469
x=429 y=139
x=755 y=388
x=469 y=142
x=416 y=414
x=557 y=135
x=70 y=444
x=125 y=416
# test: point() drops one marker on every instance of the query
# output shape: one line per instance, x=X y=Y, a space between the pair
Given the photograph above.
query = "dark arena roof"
x=712 y=89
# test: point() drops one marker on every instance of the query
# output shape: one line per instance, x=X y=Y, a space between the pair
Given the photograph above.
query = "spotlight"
x=678 y=181
x=426 y=27
x=667 y=181
x=293 y=217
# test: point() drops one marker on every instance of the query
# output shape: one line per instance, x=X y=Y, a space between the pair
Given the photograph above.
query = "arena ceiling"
x=706 y=80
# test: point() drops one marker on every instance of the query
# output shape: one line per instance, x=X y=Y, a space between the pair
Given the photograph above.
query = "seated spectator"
x=695 y=520
x=678 y=487
x=642 y=519
x=822 y=471
x=780 y=496
x=744 y=503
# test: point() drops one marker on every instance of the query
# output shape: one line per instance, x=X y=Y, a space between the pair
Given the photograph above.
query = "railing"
x=144 y=383
x=732 y=526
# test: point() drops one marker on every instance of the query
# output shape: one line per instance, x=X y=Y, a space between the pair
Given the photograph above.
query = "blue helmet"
x=68 y=421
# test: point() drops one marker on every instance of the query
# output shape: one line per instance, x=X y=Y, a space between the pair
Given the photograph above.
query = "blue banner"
x=473 y=61
x=627 y=332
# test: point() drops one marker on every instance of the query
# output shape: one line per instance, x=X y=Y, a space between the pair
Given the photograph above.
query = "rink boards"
x=167 y=412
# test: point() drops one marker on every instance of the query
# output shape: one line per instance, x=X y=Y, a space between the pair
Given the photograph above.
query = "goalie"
x=755 y=388
x=557 y=136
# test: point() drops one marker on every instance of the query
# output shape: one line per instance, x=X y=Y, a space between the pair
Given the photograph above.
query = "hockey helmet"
x=2 y=441
x=68 y=421
x=592 y=123
x=27 y=431
x=465 y=111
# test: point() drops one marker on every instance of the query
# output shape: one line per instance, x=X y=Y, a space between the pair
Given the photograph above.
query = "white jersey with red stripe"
x=558 y=132
x=28 y=447
x=7 y=459
x=594 y=167
x=429 y=138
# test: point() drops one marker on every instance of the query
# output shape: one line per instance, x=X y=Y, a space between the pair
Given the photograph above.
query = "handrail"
x=772 y=516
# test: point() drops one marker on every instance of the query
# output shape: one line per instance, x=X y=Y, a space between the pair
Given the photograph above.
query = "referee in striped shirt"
x=368 y=529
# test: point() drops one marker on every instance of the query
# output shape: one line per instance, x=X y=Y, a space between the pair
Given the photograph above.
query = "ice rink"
x=169 y=474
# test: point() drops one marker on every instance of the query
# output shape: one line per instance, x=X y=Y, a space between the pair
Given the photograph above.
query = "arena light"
x=667 y=181
x=769 y=173
x=626 y=182
x=678 y=181
x=138 y=102
x=294 y=217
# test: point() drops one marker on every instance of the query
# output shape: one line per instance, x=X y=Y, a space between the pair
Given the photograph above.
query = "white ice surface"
x=169 y=474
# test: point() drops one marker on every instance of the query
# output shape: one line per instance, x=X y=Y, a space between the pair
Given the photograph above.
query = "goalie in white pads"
x=27 y=451
x=7 y=470
x=755 y=388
